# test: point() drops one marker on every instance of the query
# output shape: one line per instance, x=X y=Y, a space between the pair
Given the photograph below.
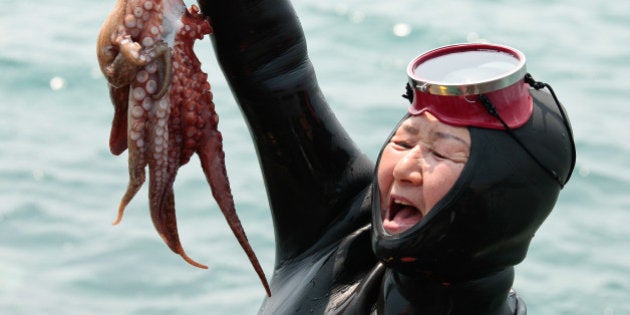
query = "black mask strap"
x=485 y=101
x=539 y=85
x=408 y=93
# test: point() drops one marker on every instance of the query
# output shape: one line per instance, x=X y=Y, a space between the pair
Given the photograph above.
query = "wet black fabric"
x=330 y=258
x=311 y=167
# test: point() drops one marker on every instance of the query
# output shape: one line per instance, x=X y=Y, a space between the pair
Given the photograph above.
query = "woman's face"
x=418 y=167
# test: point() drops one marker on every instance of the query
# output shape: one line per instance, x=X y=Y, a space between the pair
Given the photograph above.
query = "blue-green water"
x=60 y=186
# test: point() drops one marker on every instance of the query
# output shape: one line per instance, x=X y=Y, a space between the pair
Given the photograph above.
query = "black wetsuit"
x=319 y=183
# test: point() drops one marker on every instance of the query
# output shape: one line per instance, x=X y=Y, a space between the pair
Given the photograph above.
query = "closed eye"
x=438 y=155
x=402 y=144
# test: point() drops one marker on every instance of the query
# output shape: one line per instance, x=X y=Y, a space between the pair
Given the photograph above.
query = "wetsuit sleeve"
x=310 y=166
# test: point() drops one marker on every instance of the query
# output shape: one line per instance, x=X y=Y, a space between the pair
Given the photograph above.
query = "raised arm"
x=310 y=166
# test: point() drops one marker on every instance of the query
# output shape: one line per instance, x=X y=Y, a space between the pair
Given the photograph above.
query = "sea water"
x=60 y=186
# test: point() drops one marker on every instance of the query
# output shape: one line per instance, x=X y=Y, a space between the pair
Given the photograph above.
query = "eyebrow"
x=439 y=134
x=443 y=135
x=411 y=129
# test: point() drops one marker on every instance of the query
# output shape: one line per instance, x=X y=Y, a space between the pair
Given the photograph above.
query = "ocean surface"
x=60 y=186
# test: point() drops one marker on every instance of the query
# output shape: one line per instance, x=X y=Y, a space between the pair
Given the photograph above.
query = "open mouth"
x=401 y=216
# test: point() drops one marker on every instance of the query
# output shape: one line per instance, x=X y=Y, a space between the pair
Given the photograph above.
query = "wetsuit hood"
x=487 y=220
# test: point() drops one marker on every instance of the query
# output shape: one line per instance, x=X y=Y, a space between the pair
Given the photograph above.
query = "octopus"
x=163 y=110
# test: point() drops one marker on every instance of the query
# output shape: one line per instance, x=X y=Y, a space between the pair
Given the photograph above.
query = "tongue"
x=404 y=218
x=407 y=216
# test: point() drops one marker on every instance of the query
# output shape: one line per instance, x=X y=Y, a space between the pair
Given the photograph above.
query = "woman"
x=437 y=231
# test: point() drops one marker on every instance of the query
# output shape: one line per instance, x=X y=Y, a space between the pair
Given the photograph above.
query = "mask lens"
x=466 y=67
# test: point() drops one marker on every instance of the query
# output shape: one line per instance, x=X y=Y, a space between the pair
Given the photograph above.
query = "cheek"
x=385 y=173
x=440 y=182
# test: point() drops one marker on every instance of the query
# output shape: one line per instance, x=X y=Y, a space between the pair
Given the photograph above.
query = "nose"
x=409 y=168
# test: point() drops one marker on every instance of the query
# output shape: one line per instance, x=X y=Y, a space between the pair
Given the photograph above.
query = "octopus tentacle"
x=127 y=61
x=137 y=125
x=212 y=162
x=118 y=135
x=165 y=222
x=164 y=69
x=140 y=45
